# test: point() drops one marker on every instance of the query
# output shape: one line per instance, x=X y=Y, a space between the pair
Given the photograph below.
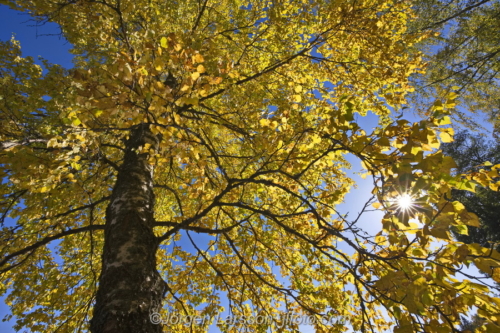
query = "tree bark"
x=130 y=287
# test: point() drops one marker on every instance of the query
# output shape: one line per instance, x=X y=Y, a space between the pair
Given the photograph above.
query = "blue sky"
x=34 y=37
x=34 y=43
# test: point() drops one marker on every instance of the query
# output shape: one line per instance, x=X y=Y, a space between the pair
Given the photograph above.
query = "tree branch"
x=466 y=9
x=199 y=16
x=44 y=241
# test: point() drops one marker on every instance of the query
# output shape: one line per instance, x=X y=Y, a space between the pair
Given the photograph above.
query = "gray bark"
x=130 y=287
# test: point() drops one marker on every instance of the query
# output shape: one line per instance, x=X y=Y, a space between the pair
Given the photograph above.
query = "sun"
x=405 y=202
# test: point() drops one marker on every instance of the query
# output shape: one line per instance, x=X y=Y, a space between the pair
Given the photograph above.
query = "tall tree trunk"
x=129 y=285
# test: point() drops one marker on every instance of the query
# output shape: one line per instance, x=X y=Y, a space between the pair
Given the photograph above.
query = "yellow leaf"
x=496 y=274
x=316 y=138
x=216 y=80
x=470 y=219
x=377 y=205
x=264 y=122
x=444 y=121
x=462 y=229
x=158 y=64
x=448 y=162
x=163 y=42
x=52 y=143
x=458 y=206
x=195 y=76
x=418 y=252
x=192 y=101
x=75 y=166
x=200 y=69
x=445 y=137
x=440 y=233
x=384 y=141
x=198 y=58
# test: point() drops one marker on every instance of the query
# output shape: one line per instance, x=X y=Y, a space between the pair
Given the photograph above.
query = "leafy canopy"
x=464 y=53
x=256 y=104
x=473 y=155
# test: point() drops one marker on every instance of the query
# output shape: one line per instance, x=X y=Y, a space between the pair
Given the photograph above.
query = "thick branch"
x=197 y=229
x=199 y=16
x=11 y=144
x=47 y=240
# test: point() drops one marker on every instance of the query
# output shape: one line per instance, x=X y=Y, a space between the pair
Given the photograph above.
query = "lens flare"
x=404 y=202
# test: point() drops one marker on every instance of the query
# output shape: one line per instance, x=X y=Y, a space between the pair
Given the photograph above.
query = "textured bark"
x=130 y=287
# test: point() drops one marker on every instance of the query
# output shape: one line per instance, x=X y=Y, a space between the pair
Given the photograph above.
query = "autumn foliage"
x=193 y=160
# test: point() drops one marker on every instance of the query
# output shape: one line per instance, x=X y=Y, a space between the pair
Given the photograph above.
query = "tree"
x=464 y=55
x=471 y=152
x=196 y=152
x=471 y=325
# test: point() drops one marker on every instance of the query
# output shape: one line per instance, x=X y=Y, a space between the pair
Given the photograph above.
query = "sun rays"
x=404 y=202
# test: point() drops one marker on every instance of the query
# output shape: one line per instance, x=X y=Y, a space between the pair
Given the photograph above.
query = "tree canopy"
x=471 y=152
x=193 y=160
x=463 y=53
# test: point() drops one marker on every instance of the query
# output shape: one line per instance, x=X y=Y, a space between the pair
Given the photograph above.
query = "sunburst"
x=404 y=202
x=405 y=205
